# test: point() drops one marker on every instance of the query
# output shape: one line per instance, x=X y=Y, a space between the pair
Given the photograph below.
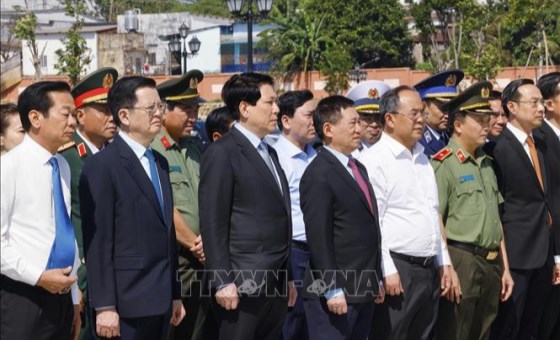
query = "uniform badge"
x=66 y=146
x=442 y=154
x=82 y=150
x=108 y=81
x=451 y=80
x=427 y=136
x=460 y=155
x=466 y=178
x=373 y=93
x=175 y=168
x=165 y=142
x=485 y=92
x=193 y=83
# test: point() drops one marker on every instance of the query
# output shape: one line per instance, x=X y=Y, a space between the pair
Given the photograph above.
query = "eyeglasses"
x=151 y=110
x=533 y=103
x=413 y=116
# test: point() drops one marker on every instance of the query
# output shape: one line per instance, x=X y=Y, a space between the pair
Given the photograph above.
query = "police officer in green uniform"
x=95 y=128
x=174 y=142
x=469 y=199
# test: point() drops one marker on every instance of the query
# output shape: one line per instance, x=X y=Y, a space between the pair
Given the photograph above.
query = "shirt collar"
x=254 y=139
x=434 y=132
x=518 y=133
x=479 y=154
x=138 y=149
x=90 y=145
x=43 y=155
x=398 y=149
x=553 y=127
x=339 y=155
x=291 y=150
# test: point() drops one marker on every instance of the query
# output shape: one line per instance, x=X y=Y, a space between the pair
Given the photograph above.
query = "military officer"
x=174 y=142
x=436 y=91
x=366 y=101
x=95 y=128
x=468 y=205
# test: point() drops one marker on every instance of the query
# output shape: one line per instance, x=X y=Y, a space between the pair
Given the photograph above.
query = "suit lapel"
x=255 y=159
x=283 y=179
x=135 y=169
x=343 y=172
x=518 y=148
x=165 y=190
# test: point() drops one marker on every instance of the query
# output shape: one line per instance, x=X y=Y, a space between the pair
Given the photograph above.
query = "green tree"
x=75 y=56
x=217 y=8
x=110 y=9
x=24 y=30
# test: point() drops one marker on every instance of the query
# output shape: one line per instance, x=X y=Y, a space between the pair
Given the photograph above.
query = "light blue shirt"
x=294 y=161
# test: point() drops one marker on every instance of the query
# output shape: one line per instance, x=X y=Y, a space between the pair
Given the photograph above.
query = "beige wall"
x=210 y=88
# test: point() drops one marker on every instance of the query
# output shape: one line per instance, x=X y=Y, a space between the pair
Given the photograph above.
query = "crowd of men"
x=415 y=213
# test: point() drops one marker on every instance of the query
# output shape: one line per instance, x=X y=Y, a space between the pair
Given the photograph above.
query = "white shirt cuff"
x=329 y=294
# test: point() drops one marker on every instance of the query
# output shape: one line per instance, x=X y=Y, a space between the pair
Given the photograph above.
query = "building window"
x=44 y=62
x=152 y=58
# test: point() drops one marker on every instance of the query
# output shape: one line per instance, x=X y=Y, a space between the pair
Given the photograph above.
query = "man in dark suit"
x=95 y=128
x=549 y=84
x=127 y=219
x=342 y=228
x=524 y=181
x=245 y=216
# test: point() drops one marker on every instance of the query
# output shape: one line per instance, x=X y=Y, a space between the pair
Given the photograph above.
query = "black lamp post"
x=194 y=45
x=235 y=7
x=357 y=74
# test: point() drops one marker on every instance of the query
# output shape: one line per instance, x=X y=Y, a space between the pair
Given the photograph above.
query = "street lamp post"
x=175 y=46
x=357 y=74
x=235 y=7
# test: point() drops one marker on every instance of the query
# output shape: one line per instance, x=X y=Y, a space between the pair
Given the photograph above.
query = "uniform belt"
x=489 y=255
x=421 y=260
x=301 y=245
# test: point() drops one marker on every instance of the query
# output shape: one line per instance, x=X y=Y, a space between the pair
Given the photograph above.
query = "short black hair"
x=329 y=110
x=244 y=87
x=6 y=111
x=36 y=97
x=390 y=101
x=548 y=84
x=123 y=94
x=511 y=92
x=218 y=120
x=290 y=101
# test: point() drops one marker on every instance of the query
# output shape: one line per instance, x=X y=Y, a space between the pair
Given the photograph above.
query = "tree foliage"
x=110 y=9
x=24 y=30
x=75 y=56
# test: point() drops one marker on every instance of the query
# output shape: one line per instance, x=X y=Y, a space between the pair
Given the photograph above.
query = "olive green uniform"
x=469 y=198
x=184 y=174
x=76 y=153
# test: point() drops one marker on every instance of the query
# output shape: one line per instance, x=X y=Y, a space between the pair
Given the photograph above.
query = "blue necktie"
x=155 y=179
x=63 y=249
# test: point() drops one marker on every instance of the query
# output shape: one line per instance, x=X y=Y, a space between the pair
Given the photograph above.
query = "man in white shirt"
x=412 y=245
x=39 y=253
x=295 y=152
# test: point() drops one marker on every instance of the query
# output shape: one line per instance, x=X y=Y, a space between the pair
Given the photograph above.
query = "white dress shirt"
x=28 y=219
x=140 y=152
x=521 y=136
x=294 y=161
x=407 y=200
x=553 y=127
x=90 y=145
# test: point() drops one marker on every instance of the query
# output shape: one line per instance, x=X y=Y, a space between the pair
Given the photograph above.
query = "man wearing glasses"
x=366 y=101
x=413 y=250
x=127 y=219
x=524 y=182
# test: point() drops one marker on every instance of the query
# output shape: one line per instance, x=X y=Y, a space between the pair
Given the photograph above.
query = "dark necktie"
x=361 y=182
x=537 y=167
x=263 y=151
x=63 y=249
x=155 y=179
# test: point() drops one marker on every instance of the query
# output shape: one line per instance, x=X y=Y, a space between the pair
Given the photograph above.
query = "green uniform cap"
x=95 y=87
x=182 y=90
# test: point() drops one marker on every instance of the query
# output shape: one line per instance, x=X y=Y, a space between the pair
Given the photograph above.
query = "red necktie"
x=361 y=182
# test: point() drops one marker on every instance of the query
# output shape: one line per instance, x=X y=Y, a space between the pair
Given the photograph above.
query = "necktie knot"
x=53 y=162
x=149 y=155
x=530 y=141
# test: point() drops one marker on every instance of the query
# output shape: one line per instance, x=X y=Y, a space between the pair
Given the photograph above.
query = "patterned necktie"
x=263 y=151
x=537 y=167
x=64 y=248
x=361 y=182
x=155 y=179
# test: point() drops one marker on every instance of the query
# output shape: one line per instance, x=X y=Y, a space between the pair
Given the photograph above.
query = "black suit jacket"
x=342 y=232
x=525 y=206
x=552 y=159
x=245 y=220
x=130 y=246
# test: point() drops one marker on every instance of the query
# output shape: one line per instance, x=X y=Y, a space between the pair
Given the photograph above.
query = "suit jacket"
x=129 y=243
x=76 y=161
x=431 y=144
x=525 y=206
x=552 y=159
x=245 y=220
x=342 y=232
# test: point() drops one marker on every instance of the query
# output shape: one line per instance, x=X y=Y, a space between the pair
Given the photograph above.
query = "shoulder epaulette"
x=82 y=151
x=443 y=154
x=165 y=142
x=66 y=146
x=461 y=156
